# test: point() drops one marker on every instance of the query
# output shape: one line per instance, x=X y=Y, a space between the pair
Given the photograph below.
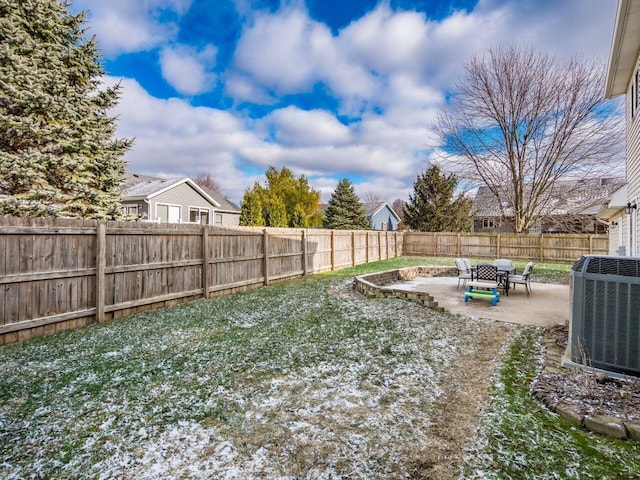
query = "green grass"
x=522 y=440
x=298 y=379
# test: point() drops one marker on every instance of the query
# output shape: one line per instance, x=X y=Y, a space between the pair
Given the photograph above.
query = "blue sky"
x=328 y=88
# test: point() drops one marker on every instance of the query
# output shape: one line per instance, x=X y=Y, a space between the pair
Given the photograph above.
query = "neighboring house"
x=572 y=208
x=381 y=216
x=176 y=200
x=227 y=213
x=623 y=78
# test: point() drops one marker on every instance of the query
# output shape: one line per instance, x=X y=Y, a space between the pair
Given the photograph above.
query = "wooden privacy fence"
x=62 y=274
x=550 y=248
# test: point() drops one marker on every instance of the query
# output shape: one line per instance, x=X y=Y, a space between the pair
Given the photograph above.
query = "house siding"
x=633 y=170
x=227 y=219
x=385 y=216
x=184 y=196
x=499 y=225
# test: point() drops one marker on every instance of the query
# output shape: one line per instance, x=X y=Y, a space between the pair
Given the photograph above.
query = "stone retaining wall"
x=604 y=424
x=375 y=285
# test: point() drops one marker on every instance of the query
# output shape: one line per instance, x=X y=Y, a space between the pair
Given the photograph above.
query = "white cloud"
x=244 y=89
x=174 y=138
x=389 y=72
x=294 y=127
x=386 y=40
x=564 y=28
x=277 y=50
x=123 y=26
x=188 y=70
x=288 y=52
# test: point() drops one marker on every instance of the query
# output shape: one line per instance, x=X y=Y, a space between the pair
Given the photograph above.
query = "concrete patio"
x=547 y=305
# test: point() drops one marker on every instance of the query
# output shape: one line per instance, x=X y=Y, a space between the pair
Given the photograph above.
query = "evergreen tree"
x=344 y=211
x=285 y=201
x=297 y=220
x=251 y=210
x=58 y=154
x=432 y=208
x=275 y=212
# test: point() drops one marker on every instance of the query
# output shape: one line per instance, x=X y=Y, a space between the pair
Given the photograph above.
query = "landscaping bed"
x=585 y=397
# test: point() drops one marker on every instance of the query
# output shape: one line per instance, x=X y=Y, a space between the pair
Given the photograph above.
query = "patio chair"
x=467 y=263
x=490 y=273
x=464 y=273
x=486 y=272
x=505 y=265
x=523 y=279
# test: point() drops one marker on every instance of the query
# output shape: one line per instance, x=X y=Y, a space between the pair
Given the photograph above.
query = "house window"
x=536 y=228
x=199 y=215
x=218 y=219
x=168 y=213
x=130 y=210
x=487 y=223
x=383 y=226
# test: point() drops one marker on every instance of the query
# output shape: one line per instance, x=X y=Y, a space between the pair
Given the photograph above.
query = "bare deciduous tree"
x=522 y=121
x=207 y=180
x=398 y=206
x=370 y=197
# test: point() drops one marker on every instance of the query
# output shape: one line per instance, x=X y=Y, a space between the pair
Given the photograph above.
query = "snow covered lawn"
x=305 y=379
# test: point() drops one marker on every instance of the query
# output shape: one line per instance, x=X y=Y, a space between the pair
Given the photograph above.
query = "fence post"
x=458 y=246
x=366 y=244
x=333 y=250
x=590 y=244
x=541 y=248
x=498 y=246
x=379 y=245
x=395 y=239
x=265 y=262
x=386 y=240
x=101 y=261
x=205 y=262
x=305 y=270
x=353 y=248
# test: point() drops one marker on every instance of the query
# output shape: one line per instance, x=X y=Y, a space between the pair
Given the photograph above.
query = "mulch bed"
x=588 y=392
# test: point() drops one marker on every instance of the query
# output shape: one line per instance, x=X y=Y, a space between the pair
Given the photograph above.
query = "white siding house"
x=623 y=78
x=613 y=212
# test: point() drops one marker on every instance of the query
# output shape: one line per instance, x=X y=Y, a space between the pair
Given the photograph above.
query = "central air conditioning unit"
x=604 y=329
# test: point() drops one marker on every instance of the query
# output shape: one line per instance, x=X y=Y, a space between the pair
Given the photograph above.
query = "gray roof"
x=138 y=186
x=141 y=186
x=371 y=208
x=225 y=204
x=580 y=197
